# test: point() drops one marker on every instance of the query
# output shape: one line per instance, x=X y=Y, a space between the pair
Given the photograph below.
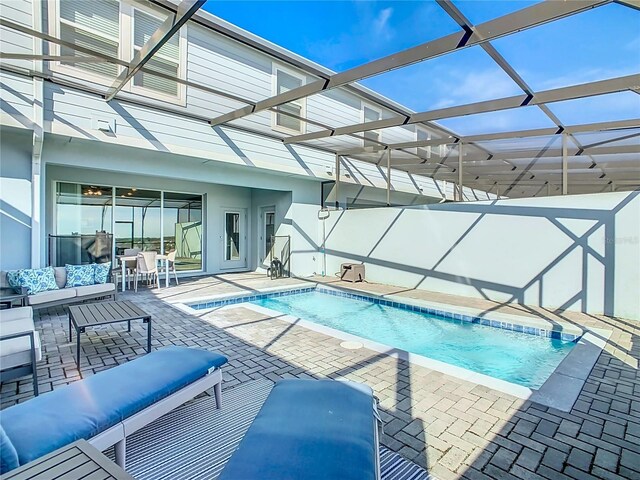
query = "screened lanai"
x=468 y=144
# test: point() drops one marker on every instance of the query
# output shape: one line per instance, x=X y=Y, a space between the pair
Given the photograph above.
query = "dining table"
x=132 y=258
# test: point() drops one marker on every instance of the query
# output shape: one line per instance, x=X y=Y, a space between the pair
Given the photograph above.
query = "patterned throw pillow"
x=12 y=280
x=101 y=272
x=79 y=275
x=35 y=280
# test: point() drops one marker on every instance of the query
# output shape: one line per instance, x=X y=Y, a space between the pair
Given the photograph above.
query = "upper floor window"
x=94 y=25
x=371 y=137
x=166 y=60
x=285 y=81
x=421 y=134
x=119 y=29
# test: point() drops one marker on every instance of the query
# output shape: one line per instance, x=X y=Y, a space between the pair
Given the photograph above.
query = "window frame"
x=54 y=20
x=129 y=10
x=126 y=51
x=364 y=120
x=302 y=103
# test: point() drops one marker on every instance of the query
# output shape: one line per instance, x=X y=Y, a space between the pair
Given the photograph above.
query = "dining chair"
x=147 y=264
x=130 y=265
x=171 y=260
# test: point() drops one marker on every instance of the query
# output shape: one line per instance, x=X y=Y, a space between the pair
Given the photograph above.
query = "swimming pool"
x=513 y=356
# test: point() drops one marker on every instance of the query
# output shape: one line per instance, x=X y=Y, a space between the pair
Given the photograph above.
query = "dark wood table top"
x=105 y=312
x=77 y=461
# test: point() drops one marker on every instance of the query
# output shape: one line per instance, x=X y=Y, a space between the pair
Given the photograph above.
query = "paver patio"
x=452 y=427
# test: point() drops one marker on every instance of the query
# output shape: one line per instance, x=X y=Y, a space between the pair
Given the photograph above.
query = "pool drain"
x=349 y=345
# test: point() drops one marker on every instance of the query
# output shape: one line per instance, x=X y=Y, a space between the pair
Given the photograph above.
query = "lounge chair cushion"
x=309 y=429
x=88 y=407
x=8 y=455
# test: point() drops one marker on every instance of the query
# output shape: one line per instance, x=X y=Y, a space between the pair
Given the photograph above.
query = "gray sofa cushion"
x=51 y=296
x=105 y=288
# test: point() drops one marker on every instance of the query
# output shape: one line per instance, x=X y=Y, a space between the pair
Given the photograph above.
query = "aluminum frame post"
x=388 y=178
x=460 y=154
x=565 y=170
x=337 y=182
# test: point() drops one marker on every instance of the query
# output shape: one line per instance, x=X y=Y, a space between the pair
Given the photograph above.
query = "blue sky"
x=594 y=45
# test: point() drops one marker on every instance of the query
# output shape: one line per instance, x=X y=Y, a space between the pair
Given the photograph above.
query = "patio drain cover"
x=349 y=345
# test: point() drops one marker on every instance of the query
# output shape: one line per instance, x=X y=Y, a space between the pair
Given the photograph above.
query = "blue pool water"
x=519 y=358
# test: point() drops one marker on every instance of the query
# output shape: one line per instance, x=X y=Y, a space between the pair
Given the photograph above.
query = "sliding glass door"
x=182 y=229
x=150 y=220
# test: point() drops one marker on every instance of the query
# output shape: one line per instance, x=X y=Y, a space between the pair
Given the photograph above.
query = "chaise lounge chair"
x=310 y=429
x=109 y=406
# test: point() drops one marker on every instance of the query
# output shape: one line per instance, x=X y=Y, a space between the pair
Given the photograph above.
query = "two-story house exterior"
x=148 y=167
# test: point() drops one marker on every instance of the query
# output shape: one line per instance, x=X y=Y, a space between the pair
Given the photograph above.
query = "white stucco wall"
x=578 y=252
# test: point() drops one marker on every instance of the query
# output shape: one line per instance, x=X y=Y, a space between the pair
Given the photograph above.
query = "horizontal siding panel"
x=17 y=85
x=16 y=106
x=202 y=39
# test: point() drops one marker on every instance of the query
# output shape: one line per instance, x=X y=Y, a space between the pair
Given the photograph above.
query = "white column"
x=388 y=177
x=460 y=153
x=337 y=181
x=564 y=165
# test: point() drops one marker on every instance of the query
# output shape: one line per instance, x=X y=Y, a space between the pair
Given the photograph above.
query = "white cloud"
x=381 y=23
x=460 y=87
x=366 y=38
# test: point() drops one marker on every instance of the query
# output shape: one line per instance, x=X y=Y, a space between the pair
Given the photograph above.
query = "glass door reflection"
x=137 y=219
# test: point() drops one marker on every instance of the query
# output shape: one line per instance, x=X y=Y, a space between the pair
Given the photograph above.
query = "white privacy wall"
x=578 y=252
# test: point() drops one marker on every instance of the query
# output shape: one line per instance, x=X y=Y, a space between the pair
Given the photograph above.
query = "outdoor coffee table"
x=103 y=313
x=77 y=461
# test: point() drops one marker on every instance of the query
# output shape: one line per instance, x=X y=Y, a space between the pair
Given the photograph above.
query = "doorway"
x=267 y=231
x=234 y=238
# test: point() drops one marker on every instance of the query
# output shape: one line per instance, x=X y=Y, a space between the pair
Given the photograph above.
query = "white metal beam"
x=487 y=137
x=169 y=27
x=526 y=18
x=590 y=89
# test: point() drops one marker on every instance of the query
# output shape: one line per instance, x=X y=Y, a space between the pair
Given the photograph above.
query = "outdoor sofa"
x=65 y=296
x=109 y=406
x=311 y=430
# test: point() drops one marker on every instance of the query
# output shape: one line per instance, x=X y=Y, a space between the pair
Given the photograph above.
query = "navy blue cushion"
x=8 y=455
x=309 y=429
x=87 y=407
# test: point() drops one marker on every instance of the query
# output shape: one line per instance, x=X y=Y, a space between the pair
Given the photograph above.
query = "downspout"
x=37 y=184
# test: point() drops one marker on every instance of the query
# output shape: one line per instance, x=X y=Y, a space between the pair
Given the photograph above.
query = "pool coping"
x=560 y=390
